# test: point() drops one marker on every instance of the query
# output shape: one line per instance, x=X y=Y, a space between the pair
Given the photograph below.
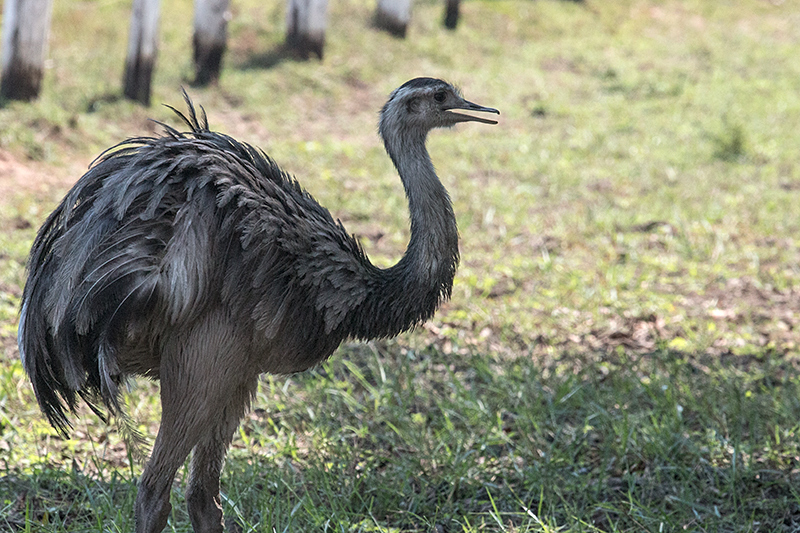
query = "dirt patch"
x=18 y=176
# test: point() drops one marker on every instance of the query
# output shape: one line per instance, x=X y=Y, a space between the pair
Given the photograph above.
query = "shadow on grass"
x=96 y=103
x=385 y=437
x=269 y=59
x=53 y=499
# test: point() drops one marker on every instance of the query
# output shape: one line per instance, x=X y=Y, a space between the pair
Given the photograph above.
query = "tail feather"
x=127 y=252
x=90 y=271
x=46 y=372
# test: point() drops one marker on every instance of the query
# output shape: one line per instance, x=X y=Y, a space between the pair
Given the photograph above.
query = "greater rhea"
x=193 y=259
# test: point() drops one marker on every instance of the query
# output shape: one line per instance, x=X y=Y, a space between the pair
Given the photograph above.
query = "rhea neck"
x=411 y=290
x=433 y=246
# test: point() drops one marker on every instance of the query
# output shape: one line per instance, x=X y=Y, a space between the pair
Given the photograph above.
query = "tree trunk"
x=451 y=14
x=305 y=21
x=393 y=16
x=26 y=25
x=142 y=50
x=210 y=36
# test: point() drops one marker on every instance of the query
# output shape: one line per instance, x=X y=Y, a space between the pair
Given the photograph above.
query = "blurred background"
x=620 y=352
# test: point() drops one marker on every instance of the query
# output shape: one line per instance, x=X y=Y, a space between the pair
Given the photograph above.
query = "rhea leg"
x=202 y=495
x=173 y=444
x=202 y=372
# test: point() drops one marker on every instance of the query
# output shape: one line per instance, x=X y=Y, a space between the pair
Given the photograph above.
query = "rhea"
x=193 y=259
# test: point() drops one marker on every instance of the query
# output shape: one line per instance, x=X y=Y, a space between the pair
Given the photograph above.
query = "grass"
x=621 y=349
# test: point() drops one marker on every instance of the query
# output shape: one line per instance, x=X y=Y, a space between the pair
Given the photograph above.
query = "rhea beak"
x=469 y=106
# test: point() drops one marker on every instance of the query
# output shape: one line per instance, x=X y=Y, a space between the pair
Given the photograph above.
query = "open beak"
x=469 y=106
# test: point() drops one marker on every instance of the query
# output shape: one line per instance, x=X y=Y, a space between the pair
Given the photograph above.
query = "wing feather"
x=159 y=231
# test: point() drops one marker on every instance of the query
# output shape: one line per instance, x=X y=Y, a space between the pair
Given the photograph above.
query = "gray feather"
x=164 y=232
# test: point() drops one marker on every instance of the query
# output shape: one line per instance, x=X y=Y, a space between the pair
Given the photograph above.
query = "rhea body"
x=194 y=259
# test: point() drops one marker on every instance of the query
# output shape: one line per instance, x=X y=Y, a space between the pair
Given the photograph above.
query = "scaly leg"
x=203 y=394
x=202 y=496
x=169 y=452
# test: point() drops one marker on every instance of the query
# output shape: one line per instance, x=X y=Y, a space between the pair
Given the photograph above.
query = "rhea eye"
x=439 y=96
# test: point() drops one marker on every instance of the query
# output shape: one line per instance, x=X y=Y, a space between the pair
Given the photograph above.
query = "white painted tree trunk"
x=26 y=26
x=393 y=16
x=305 y=22
x=142 y=50
x=210 y=38
x=451 y=14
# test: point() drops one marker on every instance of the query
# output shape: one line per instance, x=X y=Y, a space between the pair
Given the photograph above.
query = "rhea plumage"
x=194 y=259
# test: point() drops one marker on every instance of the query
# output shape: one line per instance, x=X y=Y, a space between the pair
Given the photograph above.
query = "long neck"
x=409 y=292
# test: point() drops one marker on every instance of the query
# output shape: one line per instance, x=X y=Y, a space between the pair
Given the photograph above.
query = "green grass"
x=391 y=439
x=621 y=351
